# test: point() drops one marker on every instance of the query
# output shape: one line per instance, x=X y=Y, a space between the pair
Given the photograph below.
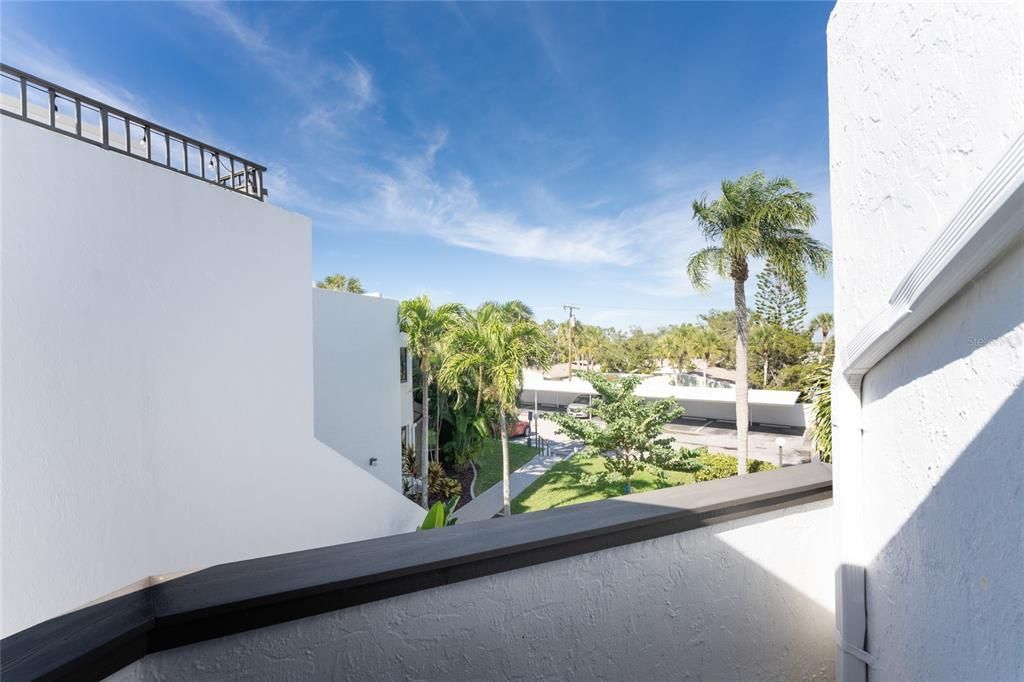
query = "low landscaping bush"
x=723 y=466
x=440 y=484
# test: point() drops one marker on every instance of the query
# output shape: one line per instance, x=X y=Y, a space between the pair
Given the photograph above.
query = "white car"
x=579 y=408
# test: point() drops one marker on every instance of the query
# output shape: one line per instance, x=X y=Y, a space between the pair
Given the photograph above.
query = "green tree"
x=776 y=350
x=677 y=344
x=776 y=302
x=340 y=282
x=426 y=327
x=628 y=431
x=824 y=323
x=639 y=351
x=707 y=345
x=754 y=218
x=492 y=347
x=723 y=323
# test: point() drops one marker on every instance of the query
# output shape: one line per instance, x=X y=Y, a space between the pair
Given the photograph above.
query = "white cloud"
x=329 y=93
x=24 y=52
x=414 y=197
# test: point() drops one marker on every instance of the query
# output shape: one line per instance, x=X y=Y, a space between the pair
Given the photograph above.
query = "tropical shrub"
x=716 y=465
x=821 y=412
x=440 y=484
x=440 y=515
x=449 y=488
x=627 y=431
x=410 y=466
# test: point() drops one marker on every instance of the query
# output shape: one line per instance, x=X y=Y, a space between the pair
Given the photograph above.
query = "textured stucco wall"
x=745 y=600
x=157 y=382
x=358 y=391
x=923 y=99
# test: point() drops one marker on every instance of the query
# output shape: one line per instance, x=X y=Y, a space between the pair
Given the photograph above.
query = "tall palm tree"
x=492 y=347
x=823 y=322
x=426 y=327
x=755 y=218
x=340 y=282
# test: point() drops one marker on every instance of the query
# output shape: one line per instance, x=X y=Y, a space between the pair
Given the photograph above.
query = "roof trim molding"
x=989 y=221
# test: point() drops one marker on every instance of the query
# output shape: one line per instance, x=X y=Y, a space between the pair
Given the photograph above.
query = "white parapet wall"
x=924 y=100
x=157 y=358
x=360 y=396
x=741 y=600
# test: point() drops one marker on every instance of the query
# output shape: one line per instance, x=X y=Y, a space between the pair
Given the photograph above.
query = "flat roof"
x=656 y=388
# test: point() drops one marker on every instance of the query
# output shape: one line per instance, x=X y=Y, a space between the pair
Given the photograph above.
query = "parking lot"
x=720 y=436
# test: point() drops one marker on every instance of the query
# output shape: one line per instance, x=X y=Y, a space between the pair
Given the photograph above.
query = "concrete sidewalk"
x=489 y=503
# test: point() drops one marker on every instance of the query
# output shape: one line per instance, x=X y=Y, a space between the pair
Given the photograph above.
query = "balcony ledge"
x=98 y=640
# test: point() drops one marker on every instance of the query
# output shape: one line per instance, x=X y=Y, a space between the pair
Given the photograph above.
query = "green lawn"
x=488 y=464
x=560 y=486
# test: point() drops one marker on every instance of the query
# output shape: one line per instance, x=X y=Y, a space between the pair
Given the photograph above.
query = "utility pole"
x=572 y=323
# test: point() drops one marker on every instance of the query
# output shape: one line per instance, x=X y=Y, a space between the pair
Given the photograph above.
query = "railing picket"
x=53 y=107
x=78 y=116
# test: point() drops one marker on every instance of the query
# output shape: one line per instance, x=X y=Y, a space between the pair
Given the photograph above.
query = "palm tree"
x=823 y=322
x=677 y=343
x=708 y=346
x=340 y=282
x=492 y=348
x=755 y=218
x=426 y=327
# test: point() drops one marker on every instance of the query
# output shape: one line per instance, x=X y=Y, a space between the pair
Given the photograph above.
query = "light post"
x=780 y=441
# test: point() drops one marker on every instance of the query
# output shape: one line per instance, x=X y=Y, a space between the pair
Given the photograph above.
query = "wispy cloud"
x=414 y=197
x=25 y=52
x=330 y=93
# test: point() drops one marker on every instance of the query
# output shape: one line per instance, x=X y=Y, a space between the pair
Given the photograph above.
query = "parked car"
x=579 y=408
x=518 y=429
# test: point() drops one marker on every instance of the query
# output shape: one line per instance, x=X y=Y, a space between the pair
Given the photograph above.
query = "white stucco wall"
x=157 y=387
x=358 y=391
x=749 y=600
x=923 y=100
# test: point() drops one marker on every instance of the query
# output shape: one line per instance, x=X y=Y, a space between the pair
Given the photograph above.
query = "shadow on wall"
x=945 y=595
x=994 y=307
x=950 y=578
x=694 y=605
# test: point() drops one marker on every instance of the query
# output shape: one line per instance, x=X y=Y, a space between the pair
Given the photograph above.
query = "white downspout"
x=852 y=660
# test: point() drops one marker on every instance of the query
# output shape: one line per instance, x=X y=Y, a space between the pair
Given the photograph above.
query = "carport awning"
x=653 y=388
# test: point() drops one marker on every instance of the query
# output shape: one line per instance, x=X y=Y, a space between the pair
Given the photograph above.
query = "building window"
x=403 y=357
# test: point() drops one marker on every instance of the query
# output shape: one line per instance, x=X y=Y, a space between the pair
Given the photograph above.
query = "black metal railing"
x=28 y=98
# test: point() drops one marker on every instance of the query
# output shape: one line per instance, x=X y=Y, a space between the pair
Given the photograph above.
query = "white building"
x=362 y=376
x=158 y=376
x=926 y=108
x=915 y=557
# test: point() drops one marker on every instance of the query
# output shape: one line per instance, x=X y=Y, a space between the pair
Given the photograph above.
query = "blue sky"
x=548 y=152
